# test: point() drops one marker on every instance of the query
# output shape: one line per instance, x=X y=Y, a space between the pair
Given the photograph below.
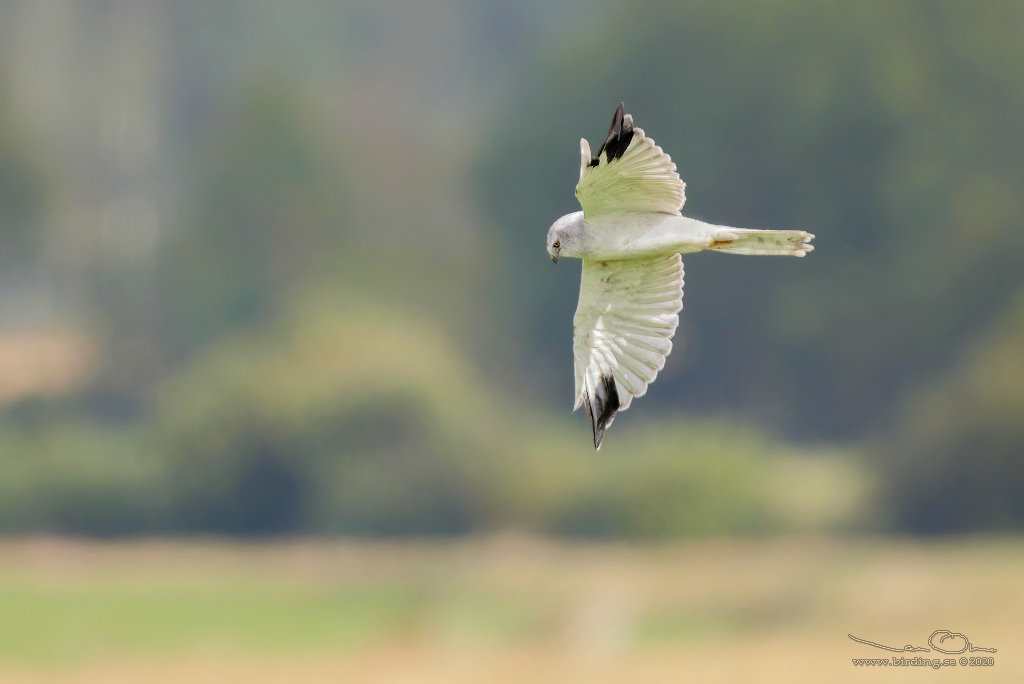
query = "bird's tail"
x=771 y=242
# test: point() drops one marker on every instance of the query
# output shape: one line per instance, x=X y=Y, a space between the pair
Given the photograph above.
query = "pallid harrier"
x=630 y=235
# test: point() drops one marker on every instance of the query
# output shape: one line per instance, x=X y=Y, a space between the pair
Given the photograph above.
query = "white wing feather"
x=629 y=174
x=622 y=332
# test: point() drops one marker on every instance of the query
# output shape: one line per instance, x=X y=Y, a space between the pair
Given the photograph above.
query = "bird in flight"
x=630 y=235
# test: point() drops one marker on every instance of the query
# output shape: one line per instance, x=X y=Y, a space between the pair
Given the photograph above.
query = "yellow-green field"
x=504 y=609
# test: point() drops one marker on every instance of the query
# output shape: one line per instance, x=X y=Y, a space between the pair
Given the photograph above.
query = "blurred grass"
x=66 y=623
x=504 y=608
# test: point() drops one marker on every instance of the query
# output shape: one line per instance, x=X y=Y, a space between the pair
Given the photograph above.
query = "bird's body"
x=645 y=234
x=630 y=235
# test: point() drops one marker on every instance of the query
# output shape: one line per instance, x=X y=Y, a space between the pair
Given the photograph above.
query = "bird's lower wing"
x=626 y=317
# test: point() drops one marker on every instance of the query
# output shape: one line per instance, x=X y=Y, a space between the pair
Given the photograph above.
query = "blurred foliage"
x=956 y=464
x=346 y=323
x=331 y=420
x=22 y=187
x=258 y=166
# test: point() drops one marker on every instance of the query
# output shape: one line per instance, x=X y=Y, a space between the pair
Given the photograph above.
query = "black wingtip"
x=620 y=134
x=604 y=408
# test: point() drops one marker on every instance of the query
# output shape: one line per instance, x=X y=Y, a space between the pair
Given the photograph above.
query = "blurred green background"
x=275 y=269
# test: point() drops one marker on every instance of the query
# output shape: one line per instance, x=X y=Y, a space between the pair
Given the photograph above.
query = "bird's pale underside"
x=630 y=235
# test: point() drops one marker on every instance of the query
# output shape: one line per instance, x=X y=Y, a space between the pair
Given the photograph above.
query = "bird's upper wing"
x=626 y=317
x=629 y=174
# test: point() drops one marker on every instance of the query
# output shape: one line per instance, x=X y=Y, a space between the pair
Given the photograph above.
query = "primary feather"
x=629 y=174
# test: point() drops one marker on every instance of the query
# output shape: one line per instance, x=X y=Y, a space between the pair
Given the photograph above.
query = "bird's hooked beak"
x=554 y=259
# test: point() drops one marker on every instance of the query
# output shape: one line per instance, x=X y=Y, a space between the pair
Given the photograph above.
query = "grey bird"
x=630 y=235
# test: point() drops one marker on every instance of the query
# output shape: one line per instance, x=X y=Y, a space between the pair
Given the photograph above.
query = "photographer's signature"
x=943 y=635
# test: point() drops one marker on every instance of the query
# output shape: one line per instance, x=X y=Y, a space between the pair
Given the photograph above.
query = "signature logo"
x=957 y=643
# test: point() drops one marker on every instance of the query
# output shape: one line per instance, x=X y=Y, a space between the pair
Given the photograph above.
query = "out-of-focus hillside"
x=888 y=130
x=288 y=265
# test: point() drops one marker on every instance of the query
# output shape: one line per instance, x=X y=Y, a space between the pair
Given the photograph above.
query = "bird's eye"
x=557 y=244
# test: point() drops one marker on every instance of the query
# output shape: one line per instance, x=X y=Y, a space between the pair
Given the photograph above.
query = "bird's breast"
x=620 y=236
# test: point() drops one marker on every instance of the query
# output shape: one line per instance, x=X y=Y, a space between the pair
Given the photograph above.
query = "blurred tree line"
x=351 y=326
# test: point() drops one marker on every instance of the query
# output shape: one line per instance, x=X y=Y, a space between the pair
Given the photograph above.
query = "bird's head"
x=565 y=235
